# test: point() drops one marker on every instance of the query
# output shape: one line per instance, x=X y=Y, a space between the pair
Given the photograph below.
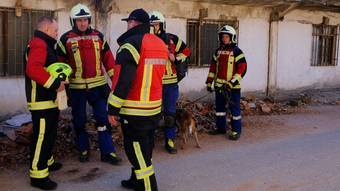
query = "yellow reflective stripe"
x=104 y=43
x=209 y=84
x=132 y=50
x=49 y=82
x=211 y=75
x=178 y=45
x=87 y=86
x=171 y=143
x=97 y=53
x=181 y=57
x=110 y=73
x=142 y=164
x=140 y=112
x=81 y=83
x=77 y=59
x=221 y=81
x=215 y=58
x=144 y=173
x=139 y=155
x=41 y=105
x=39 y=173
x=230 y=66
x=96 y=84
x=142 y=104
x=33 y=91
x=115 y=101
x=62 y=47
x=42 y=127
x=146 y=82
x=168 y=68
x=87 y=80
x=50 y=161
x=239 y=57
x=170 y=80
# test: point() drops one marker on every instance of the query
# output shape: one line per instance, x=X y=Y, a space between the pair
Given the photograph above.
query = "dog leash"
x=197 y=99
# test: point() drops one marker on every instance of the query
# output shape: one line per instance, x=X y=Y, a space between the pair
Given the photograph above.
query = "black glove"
x=234 y=82
x=209 y=89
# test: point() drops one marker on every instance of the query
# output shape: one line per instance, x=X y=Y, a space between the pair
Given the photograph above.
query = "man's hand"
x=172 y=57
x=113 y=120
x=62 y=86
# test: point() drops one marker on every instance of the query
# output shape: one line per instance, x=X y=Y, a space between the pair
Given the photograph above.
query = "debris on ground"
x=14 y=142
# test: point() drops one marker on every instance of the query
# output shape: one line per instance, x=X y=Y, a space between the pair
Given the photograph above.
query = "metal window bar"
x=325 y=45
x=16 y=32
x=203 y=39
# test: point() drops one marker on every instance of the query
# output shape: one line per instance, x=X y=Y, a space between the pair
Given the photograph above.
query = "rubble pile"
x=14 y=149
x=14 y=152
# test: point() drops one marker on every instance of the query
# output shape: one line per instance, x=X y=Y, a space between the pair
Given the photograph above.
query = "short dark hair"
x=44 y=20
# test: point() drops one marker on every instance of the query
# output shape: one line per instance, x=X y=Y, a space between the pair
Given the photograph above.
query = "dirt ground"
x=276 y=153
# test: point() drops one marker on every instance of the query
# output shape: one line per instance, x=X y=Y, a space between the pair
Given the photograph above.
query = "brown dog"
x=186 y=126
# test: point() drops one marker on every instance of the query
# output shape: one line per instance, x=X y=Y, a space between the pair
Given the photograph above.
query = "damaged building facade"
x=289 y=44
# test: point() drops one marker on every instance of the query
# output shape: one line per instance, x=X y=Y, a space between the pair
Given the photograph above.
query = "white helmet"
x=80 y=11
x=157 y=17
x=228 y=30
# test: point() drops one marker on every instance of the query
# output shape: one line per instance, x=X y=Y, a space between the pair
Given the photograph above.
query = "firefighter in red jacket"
x=41 y=92
x=178 y=53
x=137 y=96
x=227 y=69
x=89 y=55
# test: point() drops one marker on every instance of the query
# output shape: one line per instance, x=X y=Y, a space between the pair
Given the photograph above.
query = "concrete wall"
x=253 y=35
x=12 y=96
x=295 y=53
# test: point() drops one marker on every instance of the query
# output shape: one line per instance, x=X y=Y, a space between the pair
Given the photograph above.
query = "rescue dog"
x=186 y=126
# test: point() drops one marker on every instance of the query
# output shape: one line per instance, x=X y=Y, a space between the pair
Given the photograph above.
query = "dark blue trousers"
x=97 y=98
x=228 y=101
x=170 y=96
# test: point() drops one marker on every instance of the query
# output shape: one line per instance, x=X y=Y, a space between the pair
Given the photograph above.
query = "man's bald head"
x=48 y=25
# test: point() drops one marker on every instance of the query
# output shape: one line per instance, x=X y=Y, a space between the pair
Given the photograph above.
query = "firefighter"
x=137 y=96
x=89 y=55
x=226 y=71
x=178 y=53
x=41 y=92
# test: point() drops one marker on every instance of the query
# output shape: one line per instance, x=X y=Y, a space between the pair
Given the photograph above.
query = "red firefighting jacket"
x=181 y=52
x=40 y=86
x=89 y=55
x=228 y=63
x=142 y=58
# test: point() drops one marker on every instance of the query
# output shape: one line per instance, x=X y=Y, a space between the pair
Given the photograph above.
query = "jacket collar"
x=88 y=31
x=49 y=40
x=227 y=46
x=137 y=30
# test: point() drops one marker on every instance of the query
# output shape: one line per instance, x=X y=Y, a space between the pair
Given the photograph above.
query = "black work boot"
x=111 y=158
x=84 y=156
x=55 y=166
x=234 y=136
x=43 y=183
x=217 y=132
x=170 y=146
x=130 y=183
